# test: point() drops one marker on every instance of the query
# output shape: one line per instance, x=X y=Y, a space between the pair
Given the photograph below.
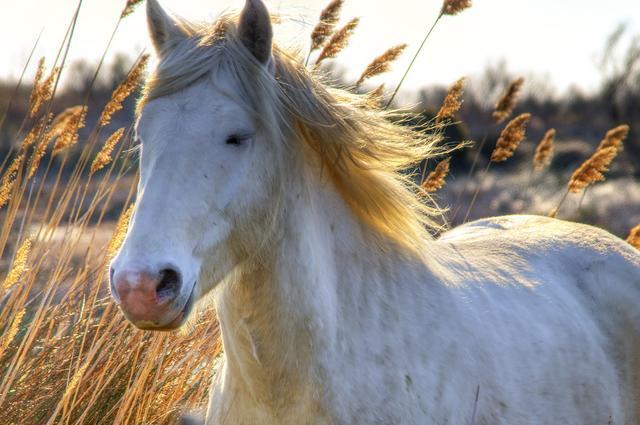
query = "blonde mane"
x=366 y=150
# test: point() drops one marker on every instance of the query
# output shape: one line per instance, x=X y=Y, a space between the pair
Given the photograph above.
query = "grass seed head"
x=545 y=150
x=338 y=41
x=123 y=91
x=103 y=158
x=453 y=7
x=382 y=63
x=129 y=8
x=329 y=17
x=19 y=265
x=65 y=127
x=593 y=169
x=615 y=137
x=121 y=231
x=452 y=102
x=9 y=178
x=634 y=237
x=510 y=138
x=436 y=179
x=506 y=104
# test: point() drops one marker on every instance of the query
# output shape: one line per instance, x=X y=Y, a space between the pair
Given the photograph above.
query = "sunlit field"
x=68 y=167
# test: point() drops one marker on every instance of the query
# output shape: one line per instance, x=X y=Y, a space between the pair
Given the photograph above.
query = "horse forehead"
x=198 y=107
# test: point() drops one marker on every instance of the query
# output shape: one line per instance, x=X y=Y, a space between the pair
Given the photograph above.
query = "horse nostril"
x=169 y=285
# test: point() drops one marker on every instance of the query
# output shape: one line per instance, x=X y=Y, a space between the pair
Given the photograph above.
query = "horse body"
x=286 y=201
x=537 y=314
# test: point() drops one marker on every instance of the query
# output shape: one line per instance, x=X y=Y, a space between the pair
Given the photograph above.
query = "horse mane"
x=367 y=151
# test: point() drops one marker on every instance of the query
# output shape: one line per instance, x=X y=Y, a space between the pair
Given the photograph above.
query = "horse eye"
x=233 y=140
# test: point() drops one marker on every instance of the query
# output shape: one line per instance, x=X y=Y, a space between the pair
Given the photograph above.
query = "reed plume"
x=9 y=178
x=120 y=232
x=453 y=7
x=11 y=333
x=37 y=81
x=545 y=150
x=33 y=134
x=506 y=104
x=329 y=17
x=615 y=137
x=65 y=127
x=123 y=91
x=510 y=138
x=338 y=41
x=381 y=64
x=43 y=92
x=436 y=179
x=19 y=265
x=376 y=96
x=129 y=8
x=103 y=158
x=593 y=169
x=41 y=148
x=452 y=102
x=634 y=237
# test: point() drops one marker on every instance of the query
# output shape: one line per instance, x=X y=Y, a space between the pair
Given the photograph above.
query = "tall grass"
x=66 y=353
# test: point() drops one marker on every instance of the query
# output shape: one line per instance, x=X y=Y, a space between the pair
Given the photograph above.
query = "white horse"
x=282 y=198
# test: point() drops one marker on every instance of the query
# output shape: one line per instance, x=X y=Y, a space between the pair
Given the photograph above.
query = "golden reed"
x=506 y=104
x=381 y=64
x=129 y=8
x=634 y=237
x=41 y=148
x=9 y=178
x=437 y=178
x=615 y=137
x=510 y=138
x=453 y=7
x=42 y=90
x=123 y=91
x=592 y=170
x=103 y=158
x=452 y=102
x=338 y=41
x=65 y=127
x=120 y=232
x=19 y=265
x=329 y=18
x=545 y=150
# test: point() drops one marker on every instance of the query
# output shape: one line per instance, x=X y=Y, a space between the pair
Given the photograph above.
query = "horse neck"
x=281 y=318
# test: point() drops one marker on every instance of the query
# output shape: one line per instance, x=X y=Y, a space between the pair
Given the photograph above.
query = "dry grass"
x=436 y=179
x=452 y=102
x=506 y=104
x=453 y=7
x=381 y=64
x=67 y=355
x=545 y=150
x=124 y=90
x=510 y=138
x=592 y=170
x=329 y=17
x=338 y=41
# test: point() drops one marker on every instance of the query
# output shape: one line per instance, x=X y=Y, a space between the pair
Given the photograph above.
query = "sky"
x=559 y=40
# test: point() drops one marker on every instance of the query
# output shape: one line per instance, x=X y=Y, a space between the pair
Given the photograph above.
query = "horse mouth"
x=179 y=319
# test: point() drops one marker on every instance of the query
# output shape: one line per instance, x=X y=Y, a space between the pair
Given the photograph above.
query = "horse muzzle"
x=152 y=299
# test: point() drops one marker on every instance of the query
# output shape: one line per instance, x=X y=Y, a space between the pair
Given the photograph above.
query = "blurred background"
x=580 y=61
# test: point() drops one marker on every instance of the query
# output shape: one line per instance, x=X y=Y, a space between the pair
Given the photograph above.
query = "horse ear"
x=164 y=31
x=255 y=30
